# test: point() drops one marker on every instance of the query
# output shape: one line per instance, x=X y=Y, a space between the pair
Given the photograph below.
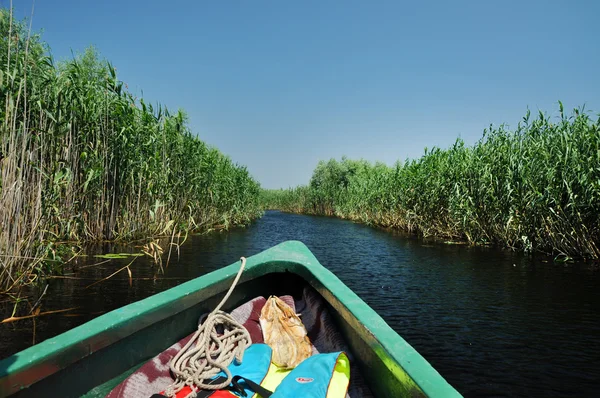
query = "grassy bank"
x=536 y=188
x=82 y=159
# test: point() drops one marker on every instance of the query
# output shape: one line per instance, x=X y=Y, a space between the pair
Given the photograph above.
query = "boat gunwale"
x=56 y=353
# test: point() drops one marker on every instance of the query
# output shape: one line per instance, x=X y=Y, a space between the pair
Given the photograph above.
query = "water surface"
x=492 y=322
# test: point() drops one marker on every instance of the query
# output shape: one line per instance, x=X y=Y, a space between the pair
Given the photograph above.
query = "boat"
x=91 y=359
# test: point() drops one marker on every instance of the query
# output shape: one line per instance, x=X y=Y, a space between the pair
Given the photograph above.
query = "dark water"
x=493 y=323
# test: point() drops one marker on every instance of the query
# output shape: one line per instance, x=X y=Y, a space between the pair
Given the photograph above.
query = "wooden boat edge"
x=35 y=363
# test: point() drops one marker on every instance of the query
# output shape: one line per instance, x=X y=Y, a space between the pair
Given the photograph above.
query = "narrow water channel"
x=492 y=322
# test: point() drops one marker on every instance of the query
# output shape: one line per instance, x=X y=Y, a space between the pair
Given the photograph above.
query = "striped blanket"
x=154 y=375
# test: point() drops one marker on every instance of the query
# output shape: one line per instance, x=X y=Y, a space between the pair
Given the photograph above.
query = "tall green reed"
x=81 y=159
x=536 y=188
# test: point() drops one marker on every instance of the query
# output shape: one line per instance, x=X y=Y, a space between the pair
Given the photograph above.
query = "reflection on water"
x=491 y=322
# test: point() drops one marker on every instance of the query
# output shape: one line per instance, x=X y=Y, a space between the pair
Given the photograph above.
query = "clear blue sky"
x=279 y=85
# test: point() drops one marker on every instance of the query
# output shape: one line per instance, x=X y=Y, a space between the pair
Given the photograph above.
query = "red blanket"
x=154 y=375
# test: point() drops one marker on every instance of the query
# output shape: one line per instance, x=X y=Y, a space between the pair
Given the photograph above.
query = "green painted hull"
x=94 y=357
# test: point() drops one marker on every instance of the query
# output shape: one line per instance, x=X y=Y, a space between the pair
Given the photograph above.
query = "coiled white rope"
x=207 y=353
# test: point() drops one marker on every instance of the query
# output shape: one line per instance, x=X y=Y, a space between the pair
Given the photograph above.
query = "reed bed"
x=536 y=188
x=83 y=159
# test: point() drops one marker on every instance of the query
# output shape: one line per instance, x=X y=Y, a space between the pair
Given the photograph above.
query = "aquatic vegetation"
x=115 y=256
x=82 y=159
x=536 y=188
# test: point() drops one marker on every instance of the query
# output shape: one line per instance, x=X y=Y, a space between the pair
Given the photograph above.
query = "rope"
x=207 y=353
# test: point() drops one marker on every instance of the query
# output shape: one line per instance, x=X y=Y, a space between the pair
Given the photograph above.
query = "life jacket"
x=319 y=376
x=254 y=367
